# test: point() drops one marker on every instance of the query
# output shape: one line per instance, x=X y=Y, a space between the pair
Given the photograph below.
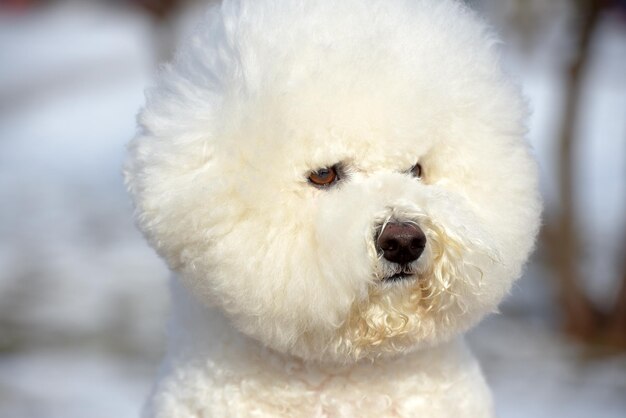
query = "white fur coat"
x=284 y=303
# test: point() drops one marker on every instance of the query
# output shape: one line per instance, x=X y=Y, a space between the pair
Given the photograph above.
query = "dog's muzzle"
x=401 y=243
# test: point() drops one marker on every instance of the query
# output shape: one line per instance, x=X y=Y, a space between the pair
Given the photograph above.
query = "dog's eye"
x=324 y=177
x=416 y=170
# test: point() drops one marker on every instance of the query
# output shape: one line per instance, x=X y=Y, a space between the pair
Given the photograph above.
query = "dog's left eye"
x=324 y=177
x=416 y=170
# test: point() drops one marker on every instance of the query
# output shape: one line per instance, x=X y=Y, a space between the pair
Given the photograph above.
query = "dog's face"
x=339 y=196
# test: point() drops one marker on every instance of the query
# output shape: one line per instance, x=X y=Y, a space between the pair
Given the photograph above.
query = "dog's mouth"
x=398 y=277
x=402 y=275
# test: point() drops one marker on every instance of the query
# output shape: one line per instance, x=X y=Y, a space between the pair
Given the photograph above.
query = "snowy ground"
x=82 y=298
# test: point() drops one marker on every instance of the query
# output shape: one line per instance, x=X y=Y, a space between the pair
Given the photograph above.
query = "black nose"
x=401 y=242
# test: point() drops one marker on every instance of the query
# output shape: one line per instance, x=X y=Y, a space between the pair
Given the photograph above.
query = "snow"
x=534 y=373
x=70 y=383
x=83 y=299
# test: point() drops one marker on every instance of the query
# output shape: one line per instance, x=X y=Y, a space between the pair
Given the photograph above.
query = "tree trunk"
x=616 y=326
x=581 y=319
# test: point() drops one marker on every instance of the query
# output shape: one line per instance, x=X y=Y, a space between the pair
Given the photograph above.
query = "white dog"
x=342 y=189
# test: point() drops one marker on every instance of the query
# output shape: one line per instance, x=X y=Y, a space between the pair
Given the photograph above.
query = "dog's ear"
x=168 y=179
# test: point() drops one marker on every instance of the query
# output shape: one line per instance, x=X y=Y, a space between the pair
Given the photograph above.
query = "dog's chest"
x=442 y=383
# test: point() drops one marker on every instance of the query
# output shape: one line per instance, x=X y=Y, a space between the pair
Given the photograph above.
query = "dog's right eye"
x=323 y=177
x=416 y=170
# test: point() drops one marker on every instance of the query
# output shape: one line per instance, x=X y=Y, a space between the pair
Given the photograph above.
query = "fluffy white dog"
x=342 y=189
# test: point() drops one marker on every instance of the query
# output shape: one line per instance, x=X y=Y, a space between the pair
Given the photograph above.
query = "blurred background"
x=83 y=300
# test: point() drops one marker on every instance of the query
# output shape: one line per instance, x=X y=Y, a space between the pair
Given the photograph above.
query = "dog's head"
x=344 y=179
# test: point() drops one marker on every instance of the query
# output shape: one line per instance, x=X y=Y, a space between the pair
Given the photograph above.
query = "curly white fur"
x=281 y=307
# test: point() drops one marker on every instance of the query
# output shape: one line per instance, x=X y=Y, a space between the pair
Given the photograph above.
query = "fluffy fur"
x=280 y=303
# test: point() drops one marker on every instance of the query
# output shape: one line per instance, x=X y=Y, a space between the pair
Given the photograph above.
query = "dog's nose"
x=401 y=243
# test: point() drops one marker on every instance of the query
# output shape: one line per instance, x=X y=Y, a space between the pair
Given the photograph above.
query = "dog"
x=342 y=189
